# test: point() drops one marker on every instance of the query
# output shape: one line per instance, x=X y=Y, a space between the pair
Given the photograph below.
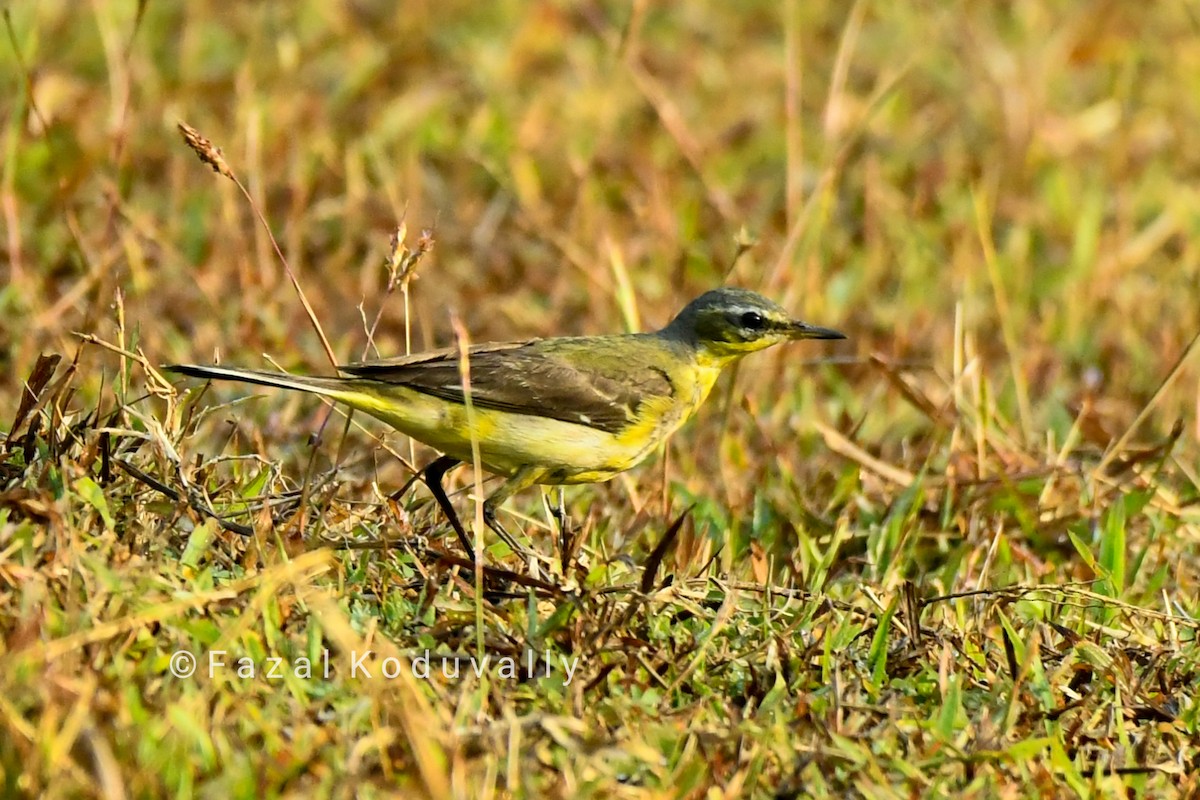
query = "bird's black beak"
x=802 y=330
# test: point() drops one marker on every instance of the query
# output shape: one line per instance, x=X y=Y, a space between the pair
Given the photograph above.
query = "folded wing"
x=587 y=381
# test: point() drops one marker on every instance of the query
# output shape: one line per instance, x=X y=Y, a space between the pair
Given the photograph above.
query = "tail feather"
x=330 y=387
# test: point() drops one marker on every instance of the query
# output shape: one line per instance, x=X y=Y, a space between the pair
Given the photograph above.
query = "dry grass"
x=958 y=554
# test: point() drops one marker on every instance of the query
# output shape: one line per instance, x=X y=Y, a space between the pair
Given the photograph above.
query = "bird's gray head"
x=727 y=323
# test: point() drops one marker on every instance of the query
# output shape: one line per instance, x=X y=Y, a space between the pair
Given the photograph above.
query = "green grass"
x=958 y=554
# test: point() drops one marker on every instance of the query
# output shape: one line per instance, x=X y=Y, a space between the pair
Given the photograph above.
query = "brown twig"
x=211 y=154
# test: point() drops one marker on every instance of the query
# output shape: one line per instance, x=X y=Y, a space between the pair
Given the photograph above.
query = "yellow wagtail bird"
x=552 y=411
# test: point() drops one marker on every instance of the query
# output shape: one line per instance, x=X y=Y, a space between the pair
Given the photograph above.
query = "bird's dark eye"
x=753 y=321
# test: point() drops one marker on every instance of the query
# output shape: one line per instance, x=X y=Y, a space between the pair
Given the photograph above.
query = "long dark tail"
x=330 y=387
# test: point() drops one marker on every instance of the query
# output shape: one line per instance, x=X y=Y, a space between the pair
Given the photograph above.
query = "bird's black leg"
x=565 y=532
x=559 y=512
x=433 y=474
x=522 y=479
x=489 y=519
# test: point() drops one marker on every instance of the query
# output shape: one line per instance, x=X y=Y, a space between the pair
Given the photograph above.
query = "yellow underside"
x=559 y=452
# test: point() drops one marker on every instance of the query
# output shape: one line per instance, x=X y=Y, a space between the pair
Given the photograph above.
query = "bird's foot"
x=490 y=519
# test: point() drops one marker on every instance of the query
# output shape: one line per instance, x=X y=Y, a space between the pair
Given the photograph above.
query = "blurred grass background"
x=996 y=201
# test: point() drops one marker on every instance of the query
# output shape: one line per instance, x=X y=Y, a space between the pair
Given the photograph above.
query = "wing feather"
x=588 y=381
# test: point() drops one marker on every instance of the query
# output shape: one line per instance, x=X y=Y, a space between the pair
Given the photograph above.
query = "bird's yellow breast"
x=657 y=418
x=563 y=452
